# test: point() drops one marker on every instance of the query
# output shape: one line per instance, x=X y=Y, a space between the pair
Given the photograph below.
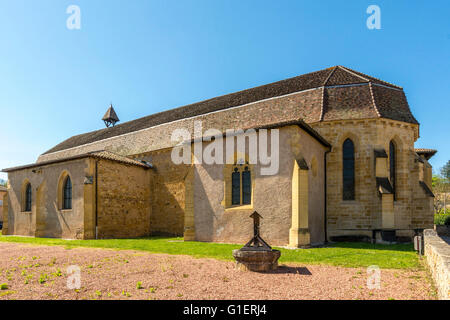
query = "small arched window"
x=67 y=194
x=27 y=203
x=348 y=170
x=392 y=168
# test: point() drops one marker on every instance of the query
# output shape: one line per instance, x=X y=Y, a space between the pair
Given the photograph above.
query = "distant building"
x=347 y=168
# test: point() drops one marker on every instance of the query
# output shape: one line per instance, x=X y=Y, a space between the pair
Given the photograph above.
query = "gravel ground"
x=40 y=272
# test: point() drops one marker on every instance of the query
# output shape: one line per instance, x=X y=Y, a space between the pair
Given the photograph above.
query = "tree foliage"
x=445 y=171
x=441 y=188
x=440 y=184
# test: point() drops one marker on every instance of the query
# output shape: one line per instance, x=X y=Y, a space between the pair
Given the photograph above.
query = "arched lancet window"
x=348 y=165
x=241 y=184
x=27 y=204
x=67 y=194
x=236 y=187
x=246 y=186
x=392 y=168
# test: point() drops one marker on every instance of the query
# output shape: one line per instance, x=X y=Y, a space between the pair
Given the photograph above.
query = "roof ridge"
x=425 y=149
x=373 y=100
x=407 y=104
x=107 y=153
x=369 y=77
x=329 y=76
x=353 y=73
x=322 y=108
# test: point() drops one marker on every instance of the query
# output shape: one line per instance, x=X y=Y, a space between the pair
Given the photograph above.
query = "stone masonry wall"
x=46 y=218
x=2 y=193
x=271 y=196
x=422 y=204
x=364 y=213
x=437 y=254
x=168 y=193
x=358 y=214
x=124 y=200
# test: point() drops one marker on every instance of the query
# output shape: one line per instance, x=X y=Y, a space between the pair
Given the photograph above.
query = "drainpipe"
x=96 y=199
x=325 y=194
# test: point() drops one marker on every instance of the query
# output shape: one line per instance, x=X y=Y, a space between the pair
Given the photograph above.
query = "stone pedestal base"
x=259 y=261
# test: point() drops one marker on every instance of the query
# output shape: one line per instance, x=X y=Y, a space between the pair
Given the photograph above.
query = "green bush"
x=442 y=219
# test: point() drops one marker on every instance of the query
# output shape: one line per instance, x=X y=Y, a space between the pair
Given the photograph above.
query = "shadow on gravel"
x=292 y=270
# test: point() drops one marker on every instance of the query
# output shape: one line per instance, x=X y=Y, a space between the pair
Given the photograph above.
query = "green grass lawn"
x=399 y=256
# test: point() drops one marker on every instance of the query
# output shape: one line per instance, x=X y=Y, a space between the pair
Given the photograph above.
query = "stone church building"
x=347 y=168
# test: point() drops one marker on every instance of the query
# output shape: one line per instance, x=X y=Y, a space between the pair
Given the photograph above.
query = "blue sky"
x=150 y=56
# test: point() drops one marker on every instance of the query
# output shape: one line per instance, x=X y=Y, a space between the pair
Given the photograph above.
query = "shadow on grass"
x=407 y=247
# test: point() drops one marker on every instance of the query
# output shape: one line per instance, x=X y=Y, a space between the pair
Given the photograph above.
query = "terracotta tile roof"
x=348 y=103
x=370 y=79
x=105 y=155
x=423 y=150
x=426 y=153
x=352 y=99
x=341 y=76
x=392 y=104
